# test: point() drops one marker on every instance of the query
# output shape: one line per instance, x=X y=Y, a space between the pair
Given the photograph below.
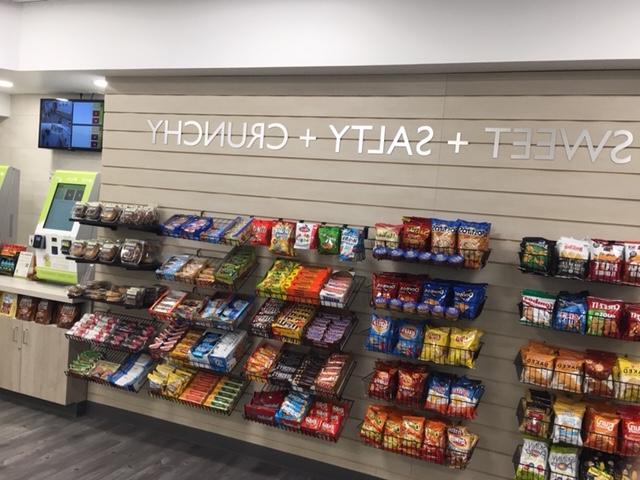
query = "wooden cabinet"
x=33 y=359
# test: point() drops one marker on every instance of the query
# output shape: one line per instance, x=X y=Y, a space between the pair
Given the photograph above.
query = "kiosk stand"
x=9 y=194
x=55 y=231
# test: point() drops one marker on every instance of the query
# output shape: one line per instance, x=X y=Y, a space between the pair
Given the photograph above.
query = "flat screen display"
x=64 y=199
x=71 y=124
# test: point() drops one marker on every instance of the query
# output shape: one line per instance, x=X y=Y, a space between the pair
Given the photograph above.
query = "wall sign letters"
x=521 y=143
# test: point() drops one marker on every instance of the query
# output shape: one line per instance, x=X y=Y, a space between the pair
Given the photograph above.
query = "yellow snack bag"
x=463 y=343
x=627 y=374
x=436 y=341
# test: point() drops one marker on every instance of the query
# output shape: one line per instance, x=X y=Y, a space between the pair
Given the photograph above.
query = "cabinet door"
x=10 y=338
x=45 y=357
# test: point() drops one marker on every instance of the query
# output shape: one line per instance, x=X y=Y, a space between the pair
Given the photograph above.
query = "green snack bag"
x=533 y=460
x=329 y=240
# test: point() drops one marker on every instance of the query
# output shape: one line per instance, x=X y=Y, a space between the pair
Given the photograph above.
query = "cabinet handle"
x=25 y=337
x=16 y=331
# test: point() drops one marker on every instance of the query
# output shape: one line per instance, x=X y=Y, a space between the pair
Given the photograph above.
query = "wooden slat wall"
x=578 y=197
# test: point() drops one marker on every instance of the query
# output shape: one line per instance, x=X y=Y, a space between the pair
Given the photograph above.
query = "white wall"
x=10 y=16
x=19 y=148
x=169 y=34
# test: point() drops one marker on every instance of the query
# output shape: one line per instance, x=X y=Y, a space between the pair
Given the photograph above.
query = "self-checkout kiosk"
x=56 y=231
x=9 y=194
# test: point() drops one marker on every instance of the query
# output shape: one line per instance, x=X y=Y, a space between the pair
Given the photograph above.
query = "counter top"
x=47 y=291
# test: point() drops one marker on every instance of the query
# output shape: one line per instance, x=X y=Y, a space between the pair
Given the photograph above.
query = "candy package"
x=410 y=337
x=563 y=462
x=352 y=245
x=382 y=332
x=282 y=238
x=435 y=347
x=468 y=299
x=537 y=308
x=568 y=371
x=627 y=374
x=604 y=317
x=601 y=429
x=538 y=361
x=571 y=312
x=598 y=373
x=438 y=392
x=631 y=271
x=567 y=424
x=631 y=322
x=261 y=235
x=536 y=413
x=444 y=236
x=464 y=398
x=536 y=255
x=463 y=346
x=411 y=384
x=606 y=261
x=573 y=257
x=196 y=227
x=415 y=233
x=329 y=240
x=473 y=242
x=306 y=236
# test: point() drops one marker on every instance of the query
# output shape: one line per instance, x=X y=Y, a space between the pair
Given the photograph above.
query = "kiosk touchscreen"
x=56 y=231
x=9 y=194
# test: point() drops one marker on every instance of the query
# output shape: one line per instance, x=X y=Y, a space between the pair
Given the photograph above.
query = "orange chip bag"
x=568 y=371
x=602 y=429
x=393 y=431
x=538 y=362
x=412 y=434
x=435 y=440
x=373 y=425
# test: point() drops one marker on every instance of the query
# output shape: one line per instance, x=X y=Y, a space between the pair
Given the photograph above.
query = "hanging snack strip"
x=230 y=231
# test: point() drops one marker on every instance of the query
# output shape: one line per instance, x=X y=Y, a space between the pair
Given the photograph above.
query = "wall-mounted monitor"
x=71 y=124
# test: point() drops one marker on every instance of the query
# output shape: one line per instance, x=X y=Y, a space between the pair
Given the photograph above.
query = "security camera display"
x=71 y=124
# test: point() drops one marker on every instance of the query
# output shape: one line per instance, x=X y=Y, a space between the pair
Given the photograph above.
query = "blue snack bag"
x=465 y=396
x=381 y=334
x=352 y=245
x=437 y=294
x=468 y=299
x=571 y=312
x=409 y=339
x=444 y=237
x=438 y=392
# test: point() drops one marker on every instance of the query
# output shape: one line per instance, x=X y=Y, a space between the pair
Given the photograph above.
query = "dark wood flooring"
x=37 y=445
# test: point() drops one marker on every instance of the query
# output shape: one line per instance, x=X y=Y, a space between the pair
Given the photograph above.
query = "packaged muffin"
x=109 y=251
x=92 y=250
x=110 y=213
x=132 y=252
x=78 y=248
x=93 y=212
x=79 y=211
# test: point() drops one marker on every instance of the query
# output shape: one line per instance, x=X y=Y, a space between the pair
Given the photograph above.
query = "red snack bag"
x=601 y=429
x=606 y=258
x=630 y=438
x=261 y=231
x=410 y=289
x=330 y=428
x=416 y=232
x=435 y=437
x=385 y=288
x=411 y=382
x=384 y=382
x=631 y=322
x=312 y=423
x=604 y=317
x=631 y=273
x=598 y=373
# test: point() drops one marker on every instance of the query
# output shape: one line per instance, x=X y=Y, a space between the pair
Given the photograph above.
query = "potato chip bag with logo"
x=463 y=345
x=435 y=346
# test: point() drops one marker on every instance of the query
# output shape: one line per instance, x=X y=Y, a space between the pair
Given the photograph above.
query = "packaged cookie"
x=573 y=257
x=79 y=211
x=132 y=252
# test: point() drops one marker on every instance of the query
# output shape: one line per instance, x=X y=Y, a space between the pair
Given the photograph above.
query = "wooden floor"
x=37 y=445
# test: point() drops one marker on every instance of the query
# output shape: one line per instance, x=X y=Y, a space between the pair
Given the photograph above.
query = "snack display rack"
x=258 y=414
x=142 y=267
x=552 y=379
x=113 y=356
x=463 y=410
x=428 y=315
x=200 y=406
x=121 y=335
x=526 y=471
x=150 y=228
x=466 y=258
x=437 y=455
x=213 y=230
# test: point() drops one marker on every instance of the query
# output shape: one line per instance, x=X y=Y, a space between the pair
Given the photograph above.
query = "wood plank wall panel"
x=520 y=197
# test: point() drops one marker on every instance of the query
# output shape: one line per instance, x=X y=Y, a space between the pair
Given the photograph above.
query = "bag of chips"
x=604 y=317
x=536 y=255
x=537 y=308
x=384 y=382
x=412 y=435
x=596 y=465
x=463 y=345
x=352 y=245
x=387 y=235
x=598 y=373
x=538 y=362
x=571 y=312
x=473 y=242
x=409 y=339
x=630 y=429
x=435 y=441
x=435 y=346
x=626 y=469
x=385 y=288
x=329 y=240
x=392 y=431
x=567 y=424
x=631 y=271
x=569 y=370
x=409 y=291
x=563 y=462
x=444 y=236
x=627 y=379
x=601 y=429
x=464 y=398
x=306 y=236
x=631 y=317
x=415 y=233
x=532 y=464
x=373 y=425
x=460 y=445
x=606 y=261
x=536 y=413
x=261 y=232
x=381 y=334
x=438 y=392
x=282 y=238
x=411 y=384
x=437 y=295
x=468 y=299
x=573 y=257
